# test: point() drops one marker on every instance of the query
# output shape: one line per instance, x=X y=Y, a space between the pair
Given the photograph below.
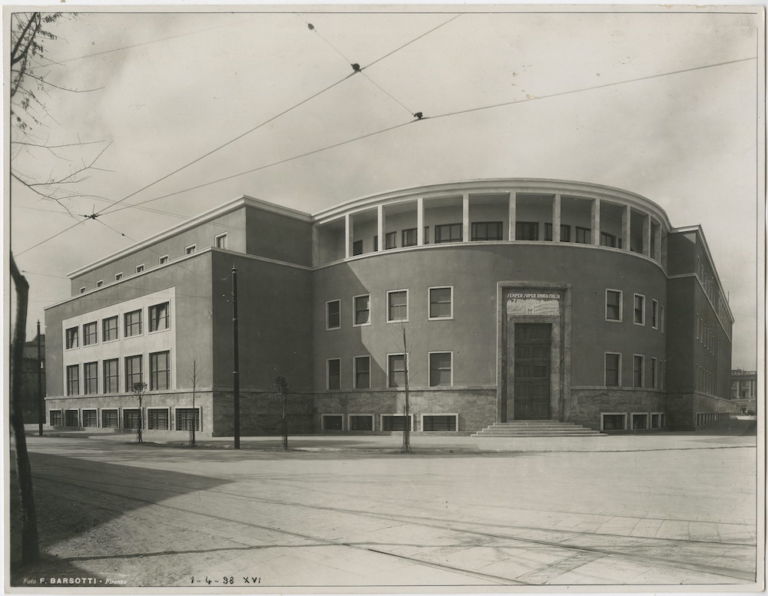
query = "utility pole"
x=407 y=423
x=282 y=389
x=138 y=389
x=236 y=358
x=40 y=403
x=194 y=411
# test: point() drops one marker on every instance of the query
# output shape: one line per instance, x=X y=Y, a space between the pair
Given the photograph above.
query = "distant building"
x=744 y=388
x=519 y=299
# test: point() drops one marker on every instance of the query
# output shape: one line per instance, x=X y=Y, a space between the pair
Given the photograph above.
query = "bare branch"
x=44 y=195
x=45 y=82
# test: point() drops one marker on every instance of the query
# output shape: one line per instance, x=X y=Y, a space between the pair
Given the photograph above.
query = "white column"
x=626 y=225
x=512 y=215
x=420 y=221
x=556 y=208
x=347 y=235
x=315 y=246
x=465 y=217
x=647 y=235
x=380 y=226
x=596 y=222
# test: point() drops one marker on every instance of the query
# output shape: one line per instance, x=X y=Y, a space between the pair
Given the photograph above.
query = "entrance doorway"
x=533 y=342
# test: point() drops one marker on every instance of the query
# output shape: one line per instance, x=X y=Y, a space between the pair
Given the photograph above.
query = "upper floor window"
x=333 y=314
x=440 y=369
x=607 y=239
x=426 y=234
x=638 y=364
x=190 y=249
x=526 y=230
x=655 y=314
x=73 y=380
x=139 y=268
x=158 y=317
x=220 y=241
x=583 y=235
x=653 y=381
x=109 y=329
x=390 y=240
x=118 y=276
x=362 y=310
x=375 y=243
x=362 y=372
x=111 y=376
x=441 y=303
x=639 y=310
x=486 y=230
x=71 y=338
x=410 y=237
x=334 y=374
x=82 y=290
x=89 y=334
x=357 y=247
x=449 y=233
x=132 y=323
x=91 y=376
x=163 y=259
x=99 y=283
x=396 y=370
x=612 y=369
x=397 y=305
x=133 y=372
x=159 y=371
x=613 y=305
x=565 y=232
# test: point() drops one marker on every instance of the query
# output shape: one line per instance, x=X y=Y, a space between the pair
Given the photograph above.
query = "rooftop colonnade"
x=504 y=211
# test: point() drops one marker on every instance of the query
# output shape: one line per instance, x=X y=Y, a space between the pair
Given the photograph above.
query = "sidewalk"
x=422 y=443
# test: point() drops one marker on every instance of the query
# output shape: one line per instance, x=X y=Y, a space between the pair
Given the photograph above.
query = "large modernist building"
x=504 y=300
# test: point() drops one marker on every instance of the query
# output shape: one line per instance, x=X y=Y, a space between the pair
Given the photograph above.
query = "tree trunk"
x=30 y=550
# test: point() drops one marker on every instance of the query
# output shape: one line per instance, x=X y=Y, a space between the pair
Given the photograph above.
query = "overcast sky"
x=175 y=86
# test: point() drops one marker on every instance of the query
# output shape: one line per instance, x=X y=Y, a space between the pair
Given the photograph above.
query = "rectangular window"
x=655 y=314
x=333 y=314
x=56 y=418
x=163 y=259
x=607 y=239
x=109 y=329
x=91 y=377
x=362 y=310
x=612 y=370
x=565 y=232
x=410 y=237
x=90 y=419
x=190 y=249
x=638 y=363
x=71 y=418
x=73 y=380
x=187 y=418
x=441 y=303
x=395 y=422
x=334 y=374
x=71 y=337
x=158 y=316
x=132 y=323
x=439 y=422
x=131 y=418
x=360 y=422
x=332 y=422
x=133 y=372
x=613 y=305
x=639 y=421
x=526 y=230
x=583 y=235
x=90 y=334
x=449 y=233
x=396 y=370
x=440 y=369
x=159 y=371
x=139 y=268
x=657 y=420
x=82 y=290
x=357 y=247
x=111 y=376
x=397 y=305
x=109 y=419
x=426 y=234
x=375 y=243
x=99 y=283
x=118 y=276
x=220 y=241
x=486 y=230
x=654 y=375
x=390 y=240
x=157 y=419
x=362 y=372
x=613 y=421
x=639 y=310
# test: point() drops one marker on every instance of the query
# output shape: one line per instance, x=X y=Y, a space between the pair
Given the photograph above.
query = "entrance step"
x=537 y=428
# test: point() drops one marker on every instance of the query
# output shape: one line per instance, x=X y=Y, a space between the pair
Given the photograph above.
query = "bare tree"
x=29 y=34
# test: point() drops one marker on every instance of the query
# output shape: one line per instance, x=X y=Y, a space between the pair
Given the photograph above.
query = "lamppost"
x=138 y=389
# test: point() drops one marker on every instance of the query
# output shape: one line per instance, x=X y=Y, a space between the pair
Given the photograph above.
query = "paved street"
x=674 y=509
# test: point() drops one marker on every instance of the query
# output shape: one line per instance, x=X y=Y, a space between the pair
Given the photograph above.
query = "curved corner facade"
x=494 y=300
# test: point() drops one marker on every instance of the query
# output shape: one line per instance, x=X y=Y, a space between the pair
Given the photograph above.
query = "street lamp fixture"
x=138 y=389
